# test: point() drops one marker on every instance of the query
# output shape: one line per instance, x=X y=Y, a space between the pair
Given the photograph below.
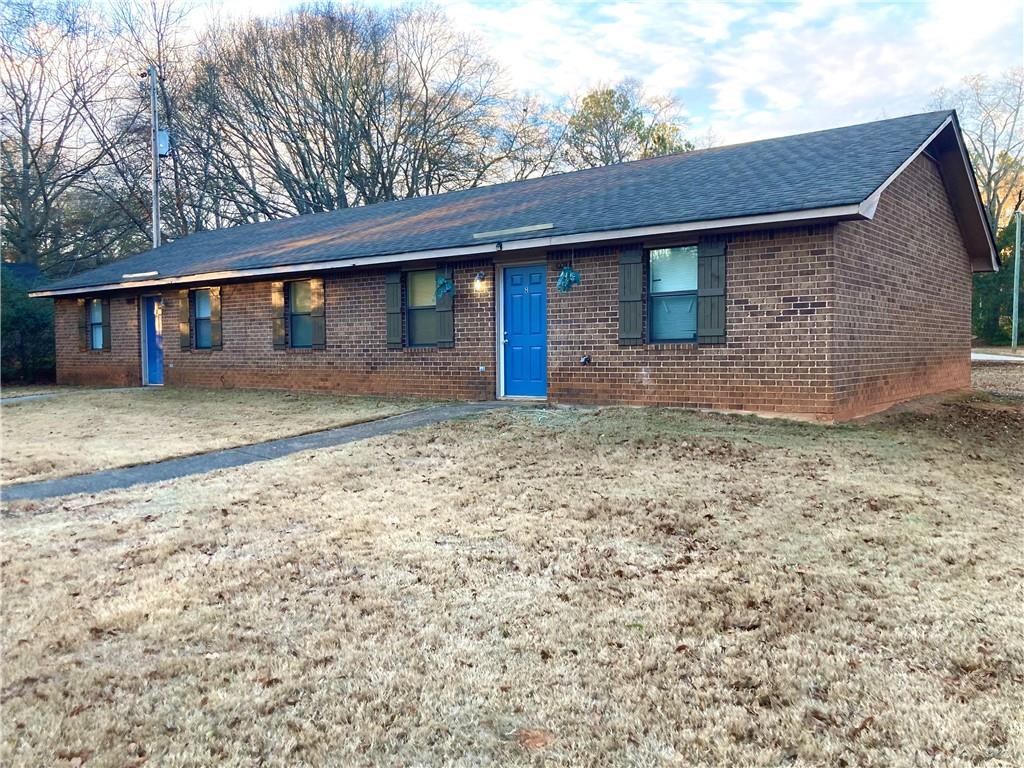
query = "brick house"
x=826 y=274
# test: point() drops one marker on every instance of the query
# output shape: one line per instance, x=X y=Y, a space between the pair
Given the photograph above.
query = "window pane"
x=422 y=288
x=300 y=297
x=674 y=269
x=673 y=318
x=202 y=304
x=422 y=326
x=204 y=334
x=95 y=311
x=97 y=337
x=302 y=331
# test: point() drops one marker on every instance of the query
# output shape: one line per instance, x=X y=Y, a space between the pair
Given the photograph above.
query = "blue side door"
x=153 y=311
x=526 y=331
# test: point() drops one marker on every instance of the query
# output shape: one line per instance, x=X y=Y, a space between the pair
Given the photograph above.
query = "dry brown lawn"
x=539 y=587
x=83 y=430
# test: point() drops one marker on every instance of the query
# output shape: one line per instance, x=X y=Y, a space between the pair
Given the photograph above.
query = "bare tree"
x=149 y=32
x=447 y=91
x=991 y=119
x=529 y=143
x=280 y=96
x=329 y=107
x=54 y=65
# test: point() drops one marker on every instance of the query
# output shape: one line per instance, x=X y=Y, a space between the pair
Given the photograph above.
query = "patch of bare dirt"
x=981 y=425
x=1000 y=379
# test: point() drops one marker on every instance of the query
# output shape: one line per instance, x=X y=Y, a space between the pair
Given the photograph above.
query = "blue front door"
x=526 y=331
x=153 y=313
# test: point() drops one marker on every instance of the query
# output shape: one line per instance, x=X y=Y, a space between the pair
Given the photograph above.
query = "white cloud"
x=750 y=71
x=542 y=47
x=743 y=71
x=866 y=62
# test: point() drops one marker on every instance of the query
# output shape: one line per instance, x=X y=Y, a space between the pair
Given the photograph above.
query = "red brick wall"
x=779 y=299
x=827 y=321
x=773 y=361
x=903 y=299
x=356 y=358
x=117 y=367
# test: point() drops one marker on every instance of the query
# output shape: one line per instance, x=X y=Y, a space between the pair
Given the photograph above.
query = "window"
x=203 y=319
x=95 y=323
x=300 y=312
x=421 y=308
x=673 y=294
x=297 y=314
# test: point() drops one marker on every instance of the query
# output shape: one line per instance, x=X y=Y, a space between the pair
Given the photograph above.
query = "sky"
x=746 y=71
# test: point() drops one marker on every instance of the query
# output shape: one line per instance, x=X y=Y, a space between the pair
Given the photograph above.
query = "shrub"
x=26 y=333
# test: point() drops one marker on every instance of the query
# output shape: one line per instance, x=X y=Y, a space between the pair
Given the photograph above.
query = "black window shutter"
x=445 y=311
x=711 y=290
x=83 y=325
x=277 y=314
x=184 y=318
x=316 y=312
x=393 y=308
x=105 y=305
x=631 y=295
x=216 y=333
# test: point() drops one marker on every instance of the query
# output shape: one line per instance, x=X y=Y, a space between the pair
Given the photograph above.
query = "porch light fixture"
x=478 y=281
x=136 y=275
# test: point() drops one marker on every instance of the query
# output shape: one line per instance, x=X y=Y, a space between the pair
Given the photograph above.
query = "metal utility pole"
x=1016 y=283
x=155 y=170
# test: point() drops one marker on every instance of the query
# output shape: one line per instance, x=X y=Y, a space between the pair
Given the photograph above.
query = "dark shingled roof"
x=842 y=166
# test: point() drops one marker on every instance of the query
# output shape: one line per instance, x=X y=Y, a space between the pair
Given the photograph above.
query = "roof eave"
x=993 y=251
x=806 y=216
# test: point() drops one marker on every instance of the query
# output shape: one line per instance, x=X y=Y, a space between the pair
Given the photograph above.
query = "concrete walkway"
x=988 y=357
x=125 y=477
x=14 y=399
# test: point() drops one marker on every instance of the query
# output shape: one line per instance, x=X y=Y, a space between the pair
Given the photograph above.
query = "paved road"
x=170 y=469
x=988 y=357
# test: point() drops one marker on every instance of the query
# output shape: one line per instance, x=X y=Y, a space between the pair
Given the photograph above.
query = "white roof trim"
x=871 y=202
x=553 y=241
